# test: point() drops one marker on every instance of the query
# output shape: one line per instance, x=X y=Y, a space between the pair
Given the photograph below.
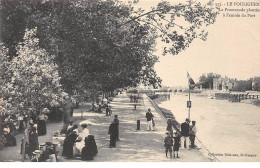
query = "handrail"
x=214 y=159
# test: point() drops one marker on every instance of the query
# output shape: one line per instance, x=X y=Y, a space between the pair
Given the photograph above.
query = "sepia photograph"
x=123 y=81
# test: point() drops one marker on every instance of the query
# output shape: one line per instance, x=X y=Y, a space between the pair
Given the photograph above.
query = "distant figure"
x=116 y=120
x=185 y=133
x=193 y=131
x=131 y=98
x=176 y=146
x=90 y=148
x=134 y=98
x=149 y=116
x=69 y=142
x=112 y=132
x=169 y=127
x=99 y=108
x=168 y=143
x=107 y=111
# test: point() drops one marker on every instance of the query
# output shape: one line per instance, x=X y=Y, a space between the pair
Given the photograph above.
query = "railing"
x=239 y=97
x=157 y=108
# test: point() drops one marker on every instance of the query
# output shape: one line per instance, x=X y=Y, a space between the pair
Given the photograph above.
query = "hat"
x=83 y=123
x=37 y=152
x=188 y=120
x=194 y=122
x=167 y=132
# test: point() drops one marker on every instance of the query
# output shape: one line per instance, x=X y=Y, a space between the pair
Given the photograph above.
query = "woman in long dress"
x=84 y=134
x=33 y=141
x=42 y=123
x=90 y=148
x=69 y=142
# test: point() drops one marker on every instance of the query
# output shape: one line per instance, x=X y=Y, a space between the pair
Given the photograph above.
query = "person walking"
x=176 y=146
x=112 y=132
x=193 y=131
x=168 y=143
x=185 y=127
x=117 y=127
x=149 y=116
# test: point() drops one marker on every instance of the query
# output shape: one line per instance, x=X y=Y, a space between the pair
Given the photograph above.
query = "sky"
x=232 y=49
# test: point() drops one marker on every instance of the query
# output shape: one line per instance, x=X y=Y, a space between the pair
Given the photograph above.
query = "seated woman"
x=85 y=132
x=10 y=139
x=90 y=148
x=69 y=142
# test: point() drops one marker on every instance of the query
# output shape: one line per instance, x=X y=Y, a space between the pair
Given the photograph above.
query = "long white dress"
x=83 y=135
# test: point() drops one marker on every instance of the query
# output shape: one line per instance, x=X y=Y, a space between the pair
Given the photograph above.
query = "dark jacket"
x=185 y=129
x=149 y=116
x=112 y=129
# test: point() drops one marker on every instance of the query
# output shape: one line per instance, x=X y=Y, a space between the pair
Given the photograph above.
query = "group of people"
x=176 y=139
x=29 y=123
x=35 y=127
x=83 y=142
x=134 y=98
x=188 y=132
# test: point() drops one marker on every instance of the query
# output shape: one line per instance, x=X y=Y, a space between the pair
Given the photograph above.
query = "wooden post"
x=253 y=96
x=23 y=149
x=256 y=96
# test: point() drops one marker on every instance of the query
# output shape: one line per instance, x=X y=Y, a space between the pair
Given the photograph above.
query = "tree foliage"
x=104 y=45
x=207 y=80
x=30 y=81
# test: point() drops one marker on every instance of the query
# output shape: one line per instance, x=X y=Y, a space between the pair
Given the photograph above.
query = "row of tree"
x=54 y=47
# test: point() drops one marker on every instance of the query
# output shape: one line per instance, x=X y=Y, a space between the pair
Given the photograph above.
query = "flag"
x=190 y=81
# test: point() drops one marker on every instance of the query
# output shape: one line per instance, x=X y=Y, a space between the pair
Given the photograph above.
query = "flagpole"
x=189 y=106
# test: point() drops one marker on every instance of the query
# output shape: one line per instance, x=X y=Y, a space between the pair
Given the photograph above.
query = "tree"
x=30 y=80
x=207 y=80
x=104 y=45
x=243 y=85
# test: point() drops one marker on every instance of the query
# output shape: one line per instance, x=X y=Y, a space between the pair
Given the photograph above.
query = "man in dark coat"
x=185 y=127
x=112 y=132
x=69 y=143
x=116 y=120
x=149 y=116
x=90 y=148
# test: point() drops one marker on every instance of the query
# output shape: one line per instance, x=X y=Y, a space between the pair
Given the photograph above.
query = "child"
x=168 y=143
x=176 y=146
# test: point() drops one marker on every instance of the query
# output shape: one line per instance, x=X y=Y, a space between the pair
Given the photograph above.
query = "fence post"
x=138 y=125
x=23 y=149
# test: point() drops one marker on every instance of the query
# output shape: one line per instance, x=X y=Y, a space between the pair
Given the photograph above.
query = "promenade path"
x=135 y=146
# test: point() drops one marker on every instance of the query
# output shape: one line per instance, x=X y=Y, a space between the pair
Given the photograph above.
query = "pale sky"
x=232 y=49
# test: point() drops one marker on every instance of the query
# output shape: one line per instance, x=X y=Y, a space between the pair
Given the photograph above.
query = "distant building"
x=224 y=83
